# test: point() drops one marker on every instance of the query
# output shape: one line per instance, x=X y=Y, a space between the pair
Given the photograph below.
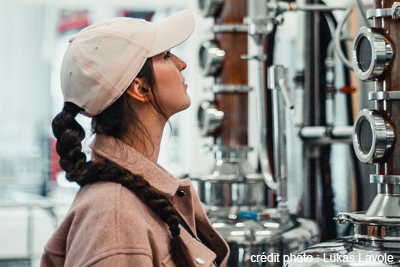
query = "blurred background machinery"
x=267 y=140
x=376 y=239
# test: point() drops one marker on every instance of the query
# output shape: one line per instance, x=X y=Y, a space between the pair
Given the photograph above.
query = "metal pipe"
x=323 y=131
x=279 y=137
x=309 y=197
x=262 y=126
x=338 y=39
x=315 y=7
x=258 y=11
x=277 y=82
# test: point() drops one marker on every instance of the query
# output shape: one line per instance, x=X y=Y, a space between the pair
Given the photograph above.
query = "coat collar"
x=127 y=157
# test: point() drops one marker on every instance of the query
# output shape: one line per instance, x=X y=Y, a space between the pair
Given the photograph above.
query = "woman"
x=129 y=210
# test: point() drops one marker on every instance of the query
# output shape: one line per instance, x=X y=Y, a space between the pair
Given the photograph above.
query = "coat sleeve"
x=125 y=260
x=51 y=260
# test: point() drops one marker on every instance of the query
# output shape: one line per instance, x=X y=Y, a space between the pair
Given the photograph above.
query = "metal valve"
x=209 y=118
x=211 y=58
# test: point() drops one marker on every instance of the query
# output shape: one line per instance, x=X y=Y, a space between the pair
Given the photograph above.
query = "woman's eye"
x=167 y=55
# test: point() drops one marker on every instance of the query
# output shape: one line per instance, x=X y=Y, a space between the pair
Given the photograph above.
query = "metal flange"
x=372 y=136
x=219 y=28
x=211 y=58
x=209 y=118
x=229 y=88
x=384 y=179
x=371 y=54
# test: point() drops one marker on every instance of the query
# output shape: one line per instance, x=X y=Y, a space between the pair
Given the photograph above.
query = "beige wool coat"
x=108 y=225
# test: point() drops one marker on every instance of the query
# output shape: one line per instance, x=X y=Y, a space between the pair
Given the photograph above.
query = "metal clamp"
x=372 y=136
x=371 y=53
x=255 y=57
x=219 y=28
x=361 y=218
x=384 y=179
x=229 y=88
x=393 y=12
x=384 y=95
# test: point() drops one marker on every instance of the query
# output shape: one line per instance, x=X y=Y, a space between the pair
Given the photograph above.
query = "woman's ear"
x=138 y=92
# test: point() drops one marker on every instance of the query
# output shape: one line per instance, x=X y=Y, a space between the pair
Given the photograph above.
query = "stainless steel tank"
x=256 y=235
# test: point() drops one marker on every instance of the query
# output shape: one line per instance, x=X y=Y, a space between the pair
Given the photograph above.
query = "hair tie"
x=71 y=108
x=175 y=230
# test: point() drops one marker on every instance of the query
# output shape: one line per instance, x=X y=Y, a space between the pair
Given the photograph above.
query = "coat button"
x=199 y=261
x=181 y=193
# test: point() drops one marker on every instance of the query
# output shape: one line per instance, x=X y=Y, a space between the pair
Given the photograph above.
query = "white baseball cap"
x=103 y=59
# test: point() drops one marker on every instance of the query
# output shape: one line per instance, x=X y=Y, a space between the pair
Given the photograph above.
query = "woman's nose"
x=180 y=64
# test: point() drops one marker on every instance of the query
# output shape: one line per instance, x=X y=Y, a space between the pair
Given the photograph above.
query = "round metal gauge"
x=210 y=58
x=371 y=53
x=208 y=118
x=210 y=8
x=372 y=136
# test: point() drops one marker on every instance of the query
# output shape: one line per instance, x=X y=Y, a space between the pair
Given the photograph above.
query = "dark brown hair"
x=116 y=121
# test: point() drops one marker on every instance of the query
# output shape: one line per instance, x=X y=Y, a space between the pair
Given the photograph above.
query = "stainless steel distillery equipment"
x=233 y=193
x=376 y=239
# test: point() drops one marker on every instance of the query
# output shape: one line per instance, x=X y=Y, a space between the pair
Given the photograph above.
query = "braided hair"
x=116 y=121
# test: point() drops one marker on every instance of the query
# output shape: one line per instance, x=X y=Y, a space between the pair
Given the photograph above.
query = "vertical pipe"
x=309 y=199
x=233 y=131
x=279 y=130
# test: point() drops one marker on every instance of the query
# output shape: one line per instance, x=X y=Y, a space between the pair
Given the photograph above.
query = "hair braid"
x=69 y=134
x=105 y=170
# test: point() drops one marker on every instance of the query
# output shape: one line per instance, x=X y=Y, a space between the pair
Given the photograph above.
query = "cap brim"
x=172 y=31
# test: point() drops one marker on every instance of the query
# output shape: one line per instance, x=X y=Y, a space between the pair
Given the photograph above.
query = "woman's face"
x=170 y=84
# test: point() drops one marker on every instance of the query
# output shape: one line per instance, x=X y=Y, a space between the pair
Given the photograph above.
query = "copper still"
x=234 y=195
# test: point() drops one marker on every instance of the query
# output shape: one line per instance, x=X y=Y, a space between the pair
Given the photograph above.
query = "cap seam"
x=95 y=73
x=130 y=40
x=153 y=41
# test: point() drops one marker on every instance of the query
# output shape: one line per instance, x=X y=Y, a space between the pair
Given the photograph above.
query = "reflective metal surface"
x=230 y=88
x=245 y=192
x=208 y=118
x=373 y=136
x=371 y=53
x=393 y=12
x=210 y=58
x=248 y=239
x=349 y=252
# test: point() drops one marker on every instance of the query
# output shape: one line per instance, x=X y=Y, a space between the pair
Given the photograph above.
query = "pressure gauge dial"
x=211 y=58
x=209 y=118
x=371 y=53
x=372 y=136
x=210 y=8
